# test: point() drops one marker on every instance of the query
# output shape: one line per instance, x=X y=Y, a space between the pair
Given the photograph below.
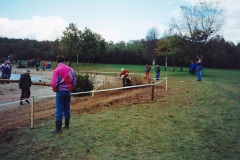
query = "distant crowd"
x=6 y=69
x=196 y=68
x=6 y=66
x=45 y=65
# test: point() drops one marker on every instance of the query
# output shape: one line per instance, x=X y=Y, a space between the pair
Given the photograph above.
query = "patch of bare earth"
x=16 y=116
x=19 y=116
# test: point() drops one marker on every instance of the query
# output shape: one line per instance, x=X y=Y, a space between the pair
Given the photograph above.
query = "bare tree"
x=198 y=24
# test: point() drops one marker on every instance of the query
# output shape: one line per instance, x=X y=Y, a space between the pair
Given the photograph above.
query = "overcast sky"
x=116 y=20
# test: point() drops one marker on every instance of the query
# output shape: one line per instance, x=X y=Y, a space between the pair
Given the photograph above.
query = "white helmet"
x=122 y=69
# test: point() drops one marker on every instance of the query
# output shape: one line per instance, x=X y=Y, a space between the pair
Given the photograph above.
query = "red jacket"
x=125 y=73
x=63 y=78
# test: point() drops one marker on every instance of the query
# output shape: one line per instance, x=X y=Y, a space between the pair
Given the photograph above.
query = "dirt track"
x=19 y=116
x=16 y=116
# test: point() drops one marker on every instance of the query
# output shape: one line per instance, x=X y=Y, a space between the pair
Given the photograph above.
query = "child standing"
x=147 y=72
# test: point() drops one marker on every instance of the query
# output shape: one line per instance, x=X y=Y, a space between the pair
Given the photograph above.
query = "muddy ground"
x=15 y=116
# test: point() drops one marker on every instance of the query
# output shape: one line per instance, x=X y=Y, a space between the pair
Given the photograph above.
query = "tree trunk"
x=214 y=62
x=153 y=63
x=70 y=61
x=173 y=65
x=165 y=63
x=181 y=64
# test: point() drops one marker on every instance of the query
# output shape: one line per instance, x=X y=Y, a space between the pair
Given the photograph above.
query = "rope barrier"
x=95 y=91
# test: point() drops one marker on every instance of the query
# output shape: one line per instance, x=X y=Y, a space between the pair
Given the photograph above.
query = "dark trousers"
x=25 y=94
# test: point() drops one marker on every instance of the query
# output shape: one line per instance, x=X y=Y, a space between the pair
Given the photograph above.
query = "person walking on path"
x=63 y=80
x=157 y=72
x=25 y=83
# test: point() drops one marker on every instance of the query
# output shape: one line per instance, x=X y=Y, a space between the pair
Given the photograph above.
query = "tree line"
x=193 y=35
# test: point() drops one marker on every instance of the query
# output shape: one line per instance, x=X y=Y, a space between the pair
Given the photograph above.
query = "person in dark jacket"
x=25 y=83
x=157 y=72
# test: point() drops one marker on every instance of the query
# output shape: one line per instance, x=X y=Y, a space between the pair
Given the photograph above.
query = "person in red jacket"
x=123 y=73
x=147 y=72
x=63 y=80
x=126 y=80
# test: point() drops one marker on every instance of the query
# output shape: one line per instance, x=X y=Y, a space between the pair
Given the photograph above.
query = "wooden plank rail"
x=16 y=81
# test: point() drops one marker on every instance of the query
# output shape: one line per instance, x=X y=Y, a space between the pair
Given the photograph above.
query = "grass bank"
x=194 y=120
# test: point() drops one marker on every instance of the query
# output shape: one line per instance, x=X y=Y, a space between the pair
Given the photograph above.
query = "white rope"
x=103 y=90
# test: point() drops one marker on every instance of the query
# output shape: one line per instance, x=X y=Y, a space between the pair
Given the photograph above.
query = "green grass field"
x=194 y=120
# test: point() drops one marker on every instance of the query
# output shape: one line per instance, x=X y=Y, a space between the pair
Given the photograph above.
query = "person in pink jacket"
x=63 y=80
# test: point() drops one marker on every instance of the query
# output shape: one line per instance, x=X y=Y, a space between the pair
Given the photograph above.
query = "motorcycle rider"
x=123 y=74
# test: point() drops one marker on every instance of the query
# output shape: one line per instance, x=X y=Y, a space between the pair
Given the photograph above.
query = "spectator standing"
x=46 y=65
x=19 y=62
x=8 y=70
x=157 y=72
x=25 y=83
x=28 y=62
x=2 y=67
x=192 y=68
x=49 y=65
x=37 y=66
x=9 y=58
x=63 y=80
x=147 y=71
x=199 y=69
x=43 y=65
x=38 y=60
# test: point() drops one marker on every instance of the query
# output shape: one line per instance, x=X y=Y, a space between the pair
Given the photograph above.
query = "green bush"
x=84 y=83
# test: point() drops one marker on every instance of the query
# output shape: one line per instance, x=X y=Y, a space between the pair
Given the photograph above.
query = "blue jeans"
x=199 y=74
x=157 y=76
x=63 y=100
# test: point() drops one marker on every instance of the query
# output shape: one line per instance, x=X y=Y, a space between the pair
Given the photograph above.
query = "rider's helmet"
x=122 y=69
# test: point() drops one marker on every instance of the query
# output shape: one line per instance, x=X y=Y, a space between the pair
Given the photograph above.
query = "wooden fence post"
x=152 y=90
x=32 y=113
x=166 y=83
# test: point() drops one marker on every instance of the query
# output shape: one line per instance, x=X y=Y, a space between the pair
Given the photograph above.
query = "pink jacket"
x=63 y=78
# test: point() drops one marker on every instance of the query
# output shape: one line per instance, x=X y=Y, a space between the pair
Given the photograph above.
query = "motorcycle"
x=126 y=81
